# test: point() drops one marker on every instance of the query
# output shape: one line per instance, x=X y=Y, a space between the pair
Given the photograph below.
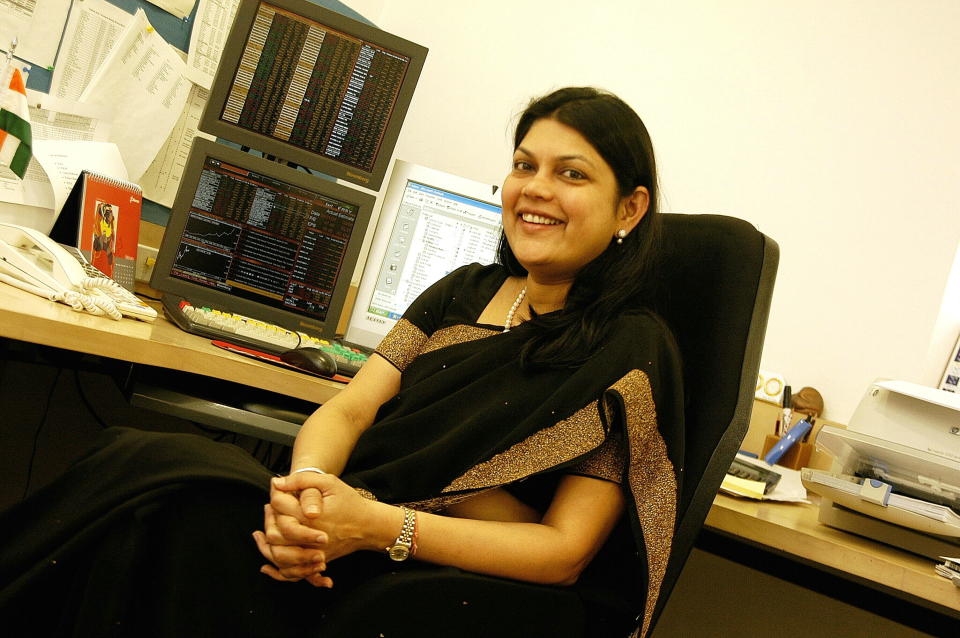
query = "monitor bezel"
x=198 y=295
x=211 y=123
x=357 y=331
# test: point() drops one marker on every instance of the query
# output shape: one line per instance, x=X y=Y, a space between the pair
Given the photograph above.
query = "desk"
x=793 y=531
x=789 y=529
x=26 y=317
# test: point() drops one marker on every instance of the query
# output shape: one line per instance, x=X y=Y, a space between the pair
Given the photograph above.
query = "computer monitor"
x=430 y=224
x=313 y=87
x=255 y=238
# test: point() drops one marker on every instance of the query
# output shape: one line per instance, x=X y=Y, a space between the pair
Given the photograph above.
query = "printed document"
x=62 y=162
x=162 y=179
x=36 y=25
x=210 y=28
x=54 y=119
x=33 y=190
x=37 y=199
x=93 y=28
x=179 y=8
x=142 y=83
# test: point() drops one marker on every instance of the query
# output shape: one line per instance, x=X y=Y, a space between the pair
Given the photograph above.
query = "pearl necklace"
x=513 y=310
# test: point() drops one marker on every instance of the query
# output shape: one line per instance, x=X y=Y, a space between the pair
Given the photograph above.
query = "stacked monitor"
x=430 y=223
x=316 y=88
x=251 y=237
x=259 y=238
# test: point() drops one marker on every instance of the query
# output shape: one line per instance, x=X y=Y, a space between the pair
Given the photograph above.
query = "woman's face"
x=561 y=205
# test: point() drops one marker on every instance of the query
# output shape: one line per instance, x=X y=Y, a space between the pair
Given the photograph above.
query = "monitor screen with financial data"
x=255 y=238
x=313 y=87
x=430 y=223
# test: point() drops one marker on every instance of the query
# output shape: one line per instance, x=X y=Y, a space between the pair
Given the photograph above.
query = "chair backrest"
x=715 y=283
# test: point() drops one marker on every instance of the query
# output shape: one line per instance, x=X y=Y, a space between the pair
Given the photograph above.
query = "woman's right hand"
x=291 y=563
x=292 y=557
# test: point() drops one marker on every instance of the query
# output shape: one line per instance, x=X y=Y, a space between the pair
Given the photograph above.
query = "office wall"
x=830 y=124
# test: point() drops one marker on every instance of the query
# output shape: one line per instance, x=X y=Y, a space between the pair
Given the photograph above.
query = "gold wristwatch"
x=402 y=548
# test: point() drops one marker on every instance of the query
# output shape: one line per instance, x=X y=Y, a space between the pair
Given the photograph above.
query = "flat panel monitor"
x=430 y=223
x=313 y=87
x=256 y=238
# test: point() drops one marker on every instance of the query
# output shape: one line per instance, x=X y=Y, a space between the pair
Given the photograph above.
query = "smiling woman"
x=561 y=206
x=507 y=463
x=582 y=190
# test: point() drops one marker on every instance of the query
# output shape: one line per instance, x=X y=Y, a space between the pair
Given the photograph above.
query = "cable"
x=150 y=297
x=36 y=435
x=86 y=401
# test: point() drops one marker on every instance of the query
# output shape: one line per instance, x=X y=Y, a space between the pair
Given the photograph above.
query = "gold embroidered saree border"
x=552 y=446
x=652 y=481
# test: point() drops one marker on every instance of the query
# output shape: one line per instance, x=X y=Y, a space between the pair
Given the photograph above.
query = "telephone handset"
x=33 y=262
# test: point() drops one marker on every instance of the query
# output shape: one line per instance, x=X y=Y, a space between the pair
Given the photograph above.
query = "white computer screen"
x=430 y=223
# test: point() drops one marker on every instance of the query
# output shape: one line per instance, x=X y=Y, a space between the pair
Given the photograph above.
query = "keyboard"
x=258 y=335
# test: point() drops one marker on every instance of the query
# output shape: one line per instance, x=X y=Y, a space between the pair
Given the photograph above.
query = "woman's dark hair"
x=621 y=276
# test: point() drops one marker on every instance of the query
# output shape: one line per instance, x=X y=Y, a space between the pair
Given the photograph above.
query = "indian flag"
x=15 y=138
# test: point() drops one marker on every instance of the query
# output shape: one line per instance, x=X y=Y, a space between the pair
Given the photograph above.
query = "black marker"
x=787 y=410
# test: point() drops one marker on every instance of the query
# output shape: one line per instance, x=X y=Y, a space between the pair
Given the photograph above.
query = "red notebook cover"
x=102 y=219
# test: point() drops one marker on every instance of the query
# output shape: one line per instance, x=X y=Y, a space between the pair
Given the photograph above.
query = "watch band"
x=402 y=548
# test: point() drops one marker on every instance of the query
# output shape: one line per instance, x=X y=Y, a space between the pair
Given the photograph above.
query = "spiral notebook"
x=101 y=217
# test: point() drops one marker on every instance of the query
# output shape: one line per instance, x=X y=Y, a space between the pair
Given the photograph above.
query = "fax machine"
x=896 y=470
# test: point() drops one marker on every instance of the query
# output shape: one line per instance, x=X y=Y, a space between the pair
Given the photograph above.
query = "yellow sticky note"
x=743 y=487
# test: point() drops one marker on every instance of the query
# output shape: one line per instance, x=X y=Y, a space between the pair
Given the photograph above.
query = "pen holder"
x=796 y=457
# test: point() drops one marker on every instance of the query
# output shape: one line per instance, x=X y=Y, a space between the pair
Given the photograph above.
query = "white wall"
x=830 y=124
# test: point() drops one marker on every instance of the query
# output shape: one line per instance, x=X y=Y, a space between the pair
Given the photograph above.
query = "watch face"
x=399 y=552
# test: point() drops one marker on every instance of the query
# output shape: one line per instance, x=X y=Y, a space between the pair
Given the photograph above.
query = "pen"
x=787 y=410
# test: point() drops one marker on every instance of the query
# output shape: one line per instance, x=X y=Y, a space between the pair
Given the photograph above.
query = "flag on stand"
x=15 y=137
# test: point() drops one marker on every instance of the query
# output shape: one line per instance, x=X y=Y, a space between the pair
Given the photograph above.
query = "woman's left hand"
x=321 y=510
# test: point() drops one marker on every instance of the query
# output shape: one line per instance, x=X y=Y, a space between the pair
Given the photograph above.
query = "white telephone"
x=33 y=262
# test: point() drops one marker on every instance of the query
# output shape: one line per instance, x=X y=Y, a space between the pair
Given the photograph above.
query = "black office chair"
x=715 y=282
x=717 y=278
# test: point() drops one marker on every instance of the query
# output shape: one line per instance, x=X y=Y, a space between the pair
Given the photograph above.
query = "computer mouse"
x=312 y=360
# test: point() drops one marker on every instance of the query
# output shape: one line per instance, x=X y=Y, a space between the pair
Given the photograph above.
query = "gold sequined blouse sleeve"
x=402 y=344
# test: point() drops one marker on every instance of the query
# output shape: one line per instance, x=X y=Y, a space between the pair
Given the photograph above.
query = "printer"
x=896 y=469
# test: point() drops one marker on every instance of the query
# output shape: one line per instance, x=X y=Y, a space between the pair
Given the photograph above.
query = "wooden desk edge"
x=26 y=317
x=793 y=529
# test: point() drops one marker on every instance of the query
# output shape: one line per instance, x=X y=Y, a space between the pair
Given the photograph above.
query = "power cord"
x=36 y=434
x=86 y=401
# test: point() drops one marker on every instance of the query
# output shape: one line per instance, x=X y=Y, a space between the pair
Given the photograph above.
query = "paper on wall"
x=62 y=161
x=33 y=190
x=210 y=28
x=179 y=8
x=37 y=32
x=93 y=28
x=162 y=178
x=54 y=119
x=142 y=83
x=30 y=216
x=37 y=199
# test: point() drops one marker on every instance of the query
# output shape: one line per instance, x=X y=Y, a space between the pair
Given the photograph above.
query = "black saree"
x=162 y=523
x=468 y=419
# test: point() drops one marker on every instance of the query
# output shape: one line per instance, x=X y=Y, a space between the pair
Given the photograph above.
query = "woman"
x=520 y=422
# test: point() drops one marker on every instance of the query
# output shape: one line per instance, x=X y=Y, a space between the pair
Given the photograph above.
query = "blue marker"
x=793 y=435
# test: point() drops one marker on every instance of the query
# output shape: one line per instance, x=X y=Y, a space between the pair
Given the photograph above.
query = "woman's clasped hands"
x=311 y=520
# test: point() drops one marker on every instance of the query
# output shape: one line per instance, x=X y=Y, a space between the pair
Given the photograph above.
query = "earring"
x=620 y=235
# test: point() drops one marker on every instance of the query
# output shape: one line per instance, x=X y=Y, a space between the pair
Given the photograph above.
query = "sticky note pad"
x=743 y=487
